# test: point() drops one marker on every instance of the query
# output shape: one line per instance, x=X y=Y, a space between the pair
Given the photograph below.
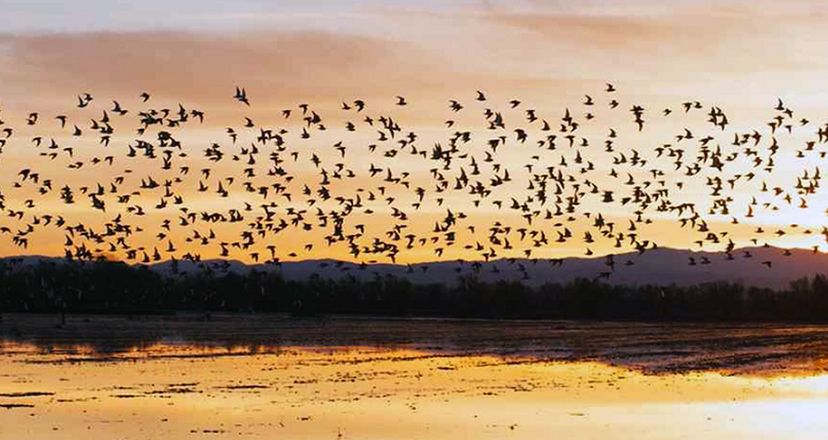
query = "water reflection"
x=177 y=391
x=654 y=348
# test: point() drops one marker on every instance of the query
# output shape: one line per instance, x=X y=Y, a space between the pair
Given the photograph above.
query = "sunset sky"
x=738 y=55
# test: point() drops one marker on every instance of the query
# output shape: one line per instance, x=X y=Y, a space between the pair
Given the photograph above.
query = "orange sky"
x=739 y=56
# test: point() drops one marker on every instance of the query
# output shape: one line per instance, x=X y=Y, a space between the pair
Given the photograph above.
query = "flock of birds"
x=516 y=184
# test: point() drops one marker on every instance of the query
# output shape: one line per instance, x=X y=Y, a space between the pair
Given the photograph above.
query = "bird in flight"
x=500 y=182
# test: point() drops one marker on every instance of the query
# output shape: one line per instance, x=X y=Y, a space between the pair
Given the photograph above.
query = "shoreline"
x=736 y=348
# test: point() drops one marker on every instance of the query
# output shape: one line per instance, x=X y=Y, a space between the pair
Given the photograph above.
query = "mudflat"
x=270 y=376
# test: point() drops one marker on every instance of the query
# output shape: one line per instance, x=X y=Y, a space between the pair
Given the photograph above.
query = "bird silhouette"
x=286 y=189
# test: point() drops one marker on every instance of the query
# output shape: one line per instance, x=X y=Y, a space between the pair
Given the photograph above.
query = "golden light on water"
x=360 y=392
x=342 y=185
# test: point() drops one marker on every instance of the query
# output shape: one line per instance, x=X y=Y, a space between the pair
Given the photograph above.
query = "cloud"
x=206 y=67
x=679 y=44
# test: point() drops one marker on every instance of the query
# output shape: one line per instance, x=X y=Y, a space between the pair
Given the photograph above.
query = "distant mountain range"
x=660 y=267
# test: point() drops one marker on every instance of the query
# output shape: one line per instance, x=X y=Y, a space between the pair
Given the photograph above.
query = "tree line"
x=113 y=287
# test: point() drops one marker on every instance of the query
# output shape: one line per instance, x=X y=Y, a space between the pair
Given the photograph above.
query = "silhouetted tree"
x=113 y=287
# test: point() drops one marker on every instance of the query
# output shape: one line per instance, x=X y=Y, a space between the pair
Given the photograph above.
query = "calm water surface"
x=267 y=376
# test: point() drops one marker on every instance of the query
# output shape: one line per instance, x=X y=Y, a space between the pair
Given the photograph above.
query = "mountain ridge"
x=662 y=266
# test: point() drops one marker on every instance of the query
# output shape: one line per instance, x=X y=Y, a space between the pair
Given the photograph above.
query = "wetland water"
x=269 y=376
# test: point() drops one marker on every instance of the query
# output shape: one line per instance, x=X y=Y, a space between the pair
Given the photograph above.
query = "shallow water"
x=401 y=379
x=761 y=349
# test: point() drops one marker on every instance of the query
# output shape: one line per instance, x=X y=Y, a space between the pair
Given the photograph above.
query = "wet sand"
x=469 y=380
